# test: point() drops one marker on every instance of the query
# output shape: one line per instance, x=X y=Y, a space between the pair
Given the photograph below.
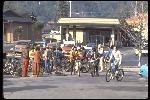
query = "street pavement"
x=130 y=59
x=73 y=87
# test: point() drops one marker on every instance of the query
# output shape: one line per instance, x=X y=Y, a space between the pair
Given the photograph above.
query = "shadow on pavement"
x=15 y=89
x=7 y=82
x=125 y=88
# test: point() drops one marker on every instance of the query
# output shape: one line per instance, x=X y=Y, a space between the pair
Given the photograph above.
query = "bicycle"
x=65 y=63
x=84 y=65
x=92 y=66
x=114 y=72
x=78 y=64
x=13 y=67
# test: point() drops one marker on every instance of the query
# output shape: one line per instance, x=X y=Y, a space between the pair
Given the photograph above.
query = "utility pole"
x=140 y=40
x=70 y=8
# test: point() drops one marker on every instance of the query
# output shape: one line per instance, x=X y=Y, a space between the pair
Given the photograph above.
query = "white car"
x=89 y=46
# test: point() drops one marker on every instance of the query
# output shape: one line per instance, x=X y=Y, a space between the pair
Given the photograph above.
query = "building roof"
x=17 y=19
x=14 y=17
x=88 y=21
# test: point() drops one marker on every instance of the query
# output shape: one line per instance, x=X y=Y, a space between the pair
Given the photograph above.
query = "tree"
x=38 y=26
x=19 y=30
x=62 y=9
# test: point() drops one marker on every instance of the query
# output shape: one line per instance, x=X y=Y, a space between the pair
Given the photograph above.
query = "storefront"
x=85 y=30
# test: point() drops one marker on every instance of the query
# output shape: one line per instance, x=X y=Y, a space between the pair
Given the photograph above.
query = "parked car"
x=53 y=44
x=144 y=49
x=7 y=46
x=41 y=43
x=67 y=45
x=89 y=46
x=19 y=45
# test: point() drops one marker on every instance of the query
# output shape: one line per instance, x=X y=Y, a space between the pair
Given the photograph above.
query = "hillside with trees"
x=52 y=10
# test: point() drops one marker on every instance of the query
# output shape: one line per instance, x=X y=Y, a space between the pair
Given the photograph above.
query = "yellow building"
x=84 y=30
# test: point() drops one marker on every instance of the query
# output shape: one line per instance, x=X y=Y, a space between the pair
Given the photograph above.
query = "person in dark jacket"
x=25 y=61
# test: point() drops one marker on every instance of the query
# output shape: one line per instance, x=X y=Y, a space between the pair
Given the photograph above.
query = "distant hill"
x=46 y=10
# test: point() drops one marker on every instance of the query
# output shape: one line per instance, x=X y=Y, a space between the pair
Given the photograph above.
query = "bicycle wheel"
x=108 y=75
x=7 y=69
x=18 y=70
x=91 y=69
x=67 y=66
x=120 y=75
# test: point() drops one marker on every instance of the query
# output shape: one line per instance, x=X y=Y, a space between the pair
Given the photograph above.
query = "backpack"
x=89 y=54
x=58 y=54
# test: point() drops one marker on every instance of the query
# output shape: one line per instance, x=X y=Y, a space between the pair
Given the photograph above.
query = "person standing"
x=47 y=59
x=36 y=62
x=74 y=53
x=94 y=67
x=96 y=58
x=101 y=53
x=31 y=57
x=25 y=61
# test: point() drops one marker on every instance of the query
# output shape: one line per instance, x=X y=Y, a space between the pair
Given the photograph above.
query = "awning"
x=89 y=21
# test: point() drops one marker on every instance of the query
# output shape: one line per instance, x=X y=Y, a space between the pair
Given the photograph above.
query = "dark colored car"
x=19 y=45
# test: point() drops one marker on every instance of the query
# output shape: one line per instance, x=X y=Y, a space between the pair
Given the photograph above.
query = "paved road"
x=70 y=87
x=130 y=59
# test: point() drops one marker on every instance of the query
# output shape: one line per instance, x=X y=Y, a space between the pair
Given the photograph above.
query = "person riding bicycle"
x=95 y=56
x=116 y=57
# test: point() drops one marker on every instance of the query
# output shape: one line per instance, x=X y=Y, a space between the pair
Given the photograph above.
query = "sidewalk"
x=132 y=69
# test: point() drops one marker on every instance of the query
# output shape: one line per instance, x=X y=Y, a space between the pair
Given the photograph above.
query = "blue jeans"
x=115 y=65
x=51 y=64
x=47 y=65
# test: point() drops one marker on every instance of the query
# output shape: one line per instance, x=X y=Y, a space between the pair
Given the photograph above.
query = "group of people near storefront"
x=49 y=58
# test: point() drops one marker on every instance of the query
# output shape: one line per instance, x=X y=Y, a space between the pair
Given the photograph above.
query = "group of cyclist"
x=51 y=58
